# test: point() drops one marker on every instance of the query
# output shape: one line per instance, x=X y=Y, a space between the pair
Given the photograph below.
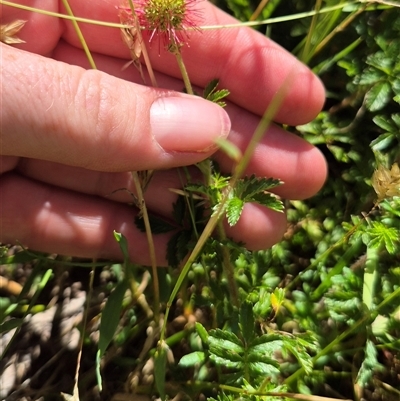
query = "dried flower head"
x=9 y=31
x=386 y=182
x=168 y=20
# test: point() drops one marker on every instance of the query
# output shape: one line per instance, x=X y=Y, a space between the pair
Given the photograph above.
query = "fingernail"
x=187 y=124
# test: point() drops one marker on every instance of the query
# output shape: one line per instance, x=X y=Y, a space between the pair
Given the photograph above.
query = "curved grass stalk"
x=80 y=36
x=347 y=21
x=150 y=242
x=143 y=48
x=75 y=391
x=62 y=16
x=286 y=18
x=205 y=27
x=307 y=53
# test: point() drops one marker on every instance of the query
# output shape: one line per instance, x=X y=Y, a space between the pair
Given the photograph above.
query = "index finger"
x=252 y=67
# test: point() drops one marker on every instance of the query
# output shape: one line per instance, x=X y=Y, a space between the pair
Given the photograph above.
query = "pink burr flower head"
x=168 y=20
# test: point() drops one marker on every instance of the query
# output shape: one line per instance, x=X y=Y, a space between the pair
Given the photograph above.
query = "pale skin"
x=70 y=137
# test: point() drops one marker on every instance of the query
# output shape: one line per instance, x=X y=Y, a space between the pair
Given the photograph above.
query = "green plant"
x=315 y=315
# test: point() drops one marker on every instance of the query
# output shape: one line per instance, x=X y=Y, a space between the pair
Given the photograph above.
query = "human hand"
x=70 y=137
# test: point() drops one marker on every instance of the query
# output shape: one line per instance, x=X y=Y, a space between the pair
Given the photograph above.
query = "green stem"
x=80 y=36
x=228 y=268
x=63 y=16
x=239 y=170
x=184 y=73
x=209 y=228
x=84 y=326
x=339 y=28
x=265 y=122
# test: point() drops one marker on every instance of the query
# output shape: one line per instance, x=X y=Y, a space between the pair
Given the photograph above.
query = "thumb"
x=58 y=112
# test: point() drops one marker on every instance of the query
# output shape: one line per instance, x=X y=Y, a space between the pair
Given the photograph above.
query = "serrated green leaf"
x=265 y=351
x=226 y=354
x=217 y=97
x=385 y=123
x=262 y=358
x=268 y=200
x=300 y=353
x=371 y=76
x=380 y=326
x=225 y=347
x=396 y=119
x=178 y=247
x=277 y=299
x=225 y=335
x=183 y=244
x=192 y=359
x=381 y=62
x=263 y=369
x=248 y=187
x=111 y=315
x=252 y=189
x=234 y=208
x=382 y=142
x=379 y=234
x=369 y=366
x=263 y=305
x=227 y=363
x=158 y=225
x=210 y=88
x=265 y=340
x=212 y=94
x=179 y=210
x=396 y=86
x=378 y=96
x=246 y=321
x=224 y=341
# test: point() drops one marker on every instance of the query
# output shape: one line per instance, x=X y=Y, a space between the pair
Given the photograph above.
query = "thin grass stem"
x=205 y=27
x=62 y=16
x=80 y=36
x=143 y=47
x=150 y=242
x=183 y=70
